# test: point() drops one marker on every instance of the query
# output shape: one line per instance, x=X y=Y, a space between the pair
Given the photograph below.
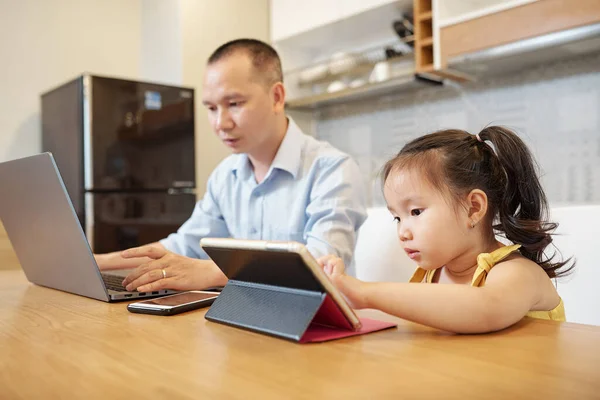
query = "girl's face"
x=431 y=230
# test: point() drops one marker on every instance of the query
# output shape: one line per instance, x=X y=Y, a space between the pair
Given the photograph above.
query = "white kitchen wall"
x=555 y=108
x=205 y=26
x=162 y=46
x=44 y=43
x=179 y=36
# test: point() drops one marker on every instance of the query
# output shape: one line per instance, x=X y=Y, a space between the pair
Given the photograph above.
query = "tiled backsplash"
x=555 y=109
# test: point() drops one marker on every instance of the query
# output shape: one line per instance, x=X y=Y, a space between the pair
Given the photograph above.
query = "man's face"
x=241 y=107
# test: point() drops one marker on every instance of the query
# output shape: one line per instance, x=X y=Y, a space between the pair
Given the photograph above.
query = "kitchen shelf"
x=394 y=85
x=425 y=16
x=371 y=54
x=427 y=68
x=424 y=52
x=362 y=68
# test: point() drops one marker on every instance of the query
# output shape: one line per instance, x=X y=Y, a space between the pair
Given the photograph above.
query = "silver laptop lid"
x=44 y=230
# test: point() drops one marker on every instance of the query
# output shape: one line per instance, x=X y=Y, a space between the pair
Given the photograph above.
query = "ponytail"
x=522 y=208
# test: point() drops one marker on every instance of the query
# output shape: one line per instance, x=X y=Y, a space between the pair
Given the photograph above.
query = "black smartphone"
x=175 y=303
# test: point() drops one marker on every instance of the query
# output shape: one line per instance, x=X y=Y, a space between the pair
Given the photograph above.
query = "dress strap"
x=485 y=262
x=418 y=275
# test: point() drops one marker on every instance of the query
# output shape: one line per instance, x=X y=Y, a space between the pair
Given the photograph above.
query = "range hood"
x=529 y=53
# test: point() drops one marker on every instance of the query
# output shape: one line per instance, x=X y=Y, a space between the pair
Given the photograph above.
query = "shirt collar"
x=288 y=157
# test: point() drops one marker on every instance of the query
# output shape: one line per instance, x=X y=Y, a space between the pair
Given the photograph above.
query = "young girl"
x=450 y=193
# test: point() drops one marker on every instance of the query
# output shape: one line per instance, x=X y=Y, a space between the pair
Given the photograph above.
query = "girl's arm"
x=511 y=290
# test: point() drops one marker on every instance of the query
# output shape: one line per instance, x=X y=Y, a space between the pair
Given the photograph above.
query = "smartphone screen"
x=181 y=299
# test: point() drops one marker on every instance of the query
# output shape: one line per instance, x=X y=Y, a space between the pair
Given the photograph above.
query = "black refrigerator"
x=125 y=150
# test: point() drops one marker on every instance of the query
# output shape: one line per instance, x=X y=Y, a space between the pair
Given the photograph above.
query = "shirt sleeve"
x=206 y=221
x=336 y=209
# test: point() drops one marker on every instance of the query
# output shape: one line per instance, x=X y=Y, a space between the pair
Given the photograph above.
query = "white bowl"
x=380 y=72
x=313 y=73
x=341 y=62
x=357 y=82
x=336 y=86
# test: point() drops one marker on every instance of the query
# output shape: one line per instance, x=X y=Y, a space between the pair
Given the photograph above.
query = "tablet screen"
x=266 y=267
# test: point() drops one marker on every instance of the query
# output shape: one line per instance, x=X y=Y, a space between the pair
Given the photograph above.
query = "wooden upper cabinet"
x=482 y=29
x=451 y=12
x=447 y=32
x=425 y=43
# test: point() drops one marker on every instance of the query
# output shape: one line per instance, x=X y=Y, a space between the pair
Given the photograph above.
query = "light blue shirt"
x=313 y=194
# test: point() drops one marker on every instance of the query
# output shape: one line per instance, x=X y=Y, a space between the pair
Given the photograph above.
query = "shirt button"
x=252 y=230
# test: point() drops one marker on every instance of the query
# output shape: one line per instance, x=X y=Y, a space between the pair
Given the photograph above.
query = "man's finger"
x=151 y=251
x=136 y=273
x=142 y=270
x=168 y=283
x=148 y=277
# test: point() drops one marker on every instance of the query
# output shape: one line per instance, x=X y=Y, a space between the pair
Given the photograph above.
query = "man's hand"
x=111 y=261
x=168 y=270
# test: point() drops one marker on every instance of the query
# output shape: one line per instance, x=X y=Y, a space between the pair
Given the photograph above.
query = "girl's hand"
x=352 y=288
x=332 y=265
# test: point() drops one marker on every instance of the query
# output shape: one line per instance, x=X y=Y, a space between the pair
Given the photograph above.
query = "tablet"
x=286 y=264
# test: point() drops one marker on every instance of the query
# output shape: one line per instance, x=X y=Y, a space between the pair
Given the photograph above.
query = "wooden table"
x=58 y=345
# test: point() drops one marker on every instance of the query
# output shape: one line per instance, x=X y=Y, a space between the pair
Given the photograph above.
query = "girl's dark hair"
x=456 y=162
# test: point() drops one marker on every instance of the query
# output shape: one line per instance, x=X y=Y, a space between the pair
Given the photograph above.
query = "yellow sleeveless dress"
x=485 y=262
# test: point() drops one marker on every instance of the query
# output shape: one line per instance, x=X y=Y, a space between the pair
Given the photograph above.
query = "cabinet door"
x=453 y=11
x=352 y=7
x=291 y=17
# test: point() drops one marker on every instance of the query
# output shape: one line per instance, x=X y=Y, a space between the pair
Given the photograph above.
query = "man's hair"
x=264 y=58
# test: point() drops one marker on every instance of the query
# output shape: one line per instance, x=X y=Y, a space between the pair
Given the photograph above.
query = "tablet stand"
x=274 y=310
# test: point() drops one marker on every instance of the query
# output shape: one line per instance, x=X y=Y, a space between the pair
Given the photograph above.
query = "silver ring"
x=164 y=273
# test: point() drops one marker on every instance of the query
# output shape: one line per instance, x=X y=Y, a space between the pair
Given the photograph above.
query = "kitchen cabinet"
x=449 y=36
x=352 y=7
x=354 y=57
x=528 y=20
x=451 y=12
x=292 y=17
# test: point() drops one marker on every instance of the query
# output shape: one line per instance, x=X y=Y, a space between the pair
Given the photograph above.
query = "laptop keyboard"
x=113 y=282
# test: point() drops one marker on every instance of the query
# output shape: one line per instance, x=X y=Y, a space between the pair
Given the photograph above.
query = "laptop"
x=46 y=235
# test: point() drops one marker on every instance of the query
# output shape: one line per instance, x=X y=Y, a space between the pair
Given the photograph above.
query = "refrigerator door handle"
x=88 y=162
x=89 y=219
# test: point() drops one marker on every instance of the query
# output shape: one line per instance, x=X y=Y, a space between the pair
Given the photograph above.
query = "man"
x=278 y=184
